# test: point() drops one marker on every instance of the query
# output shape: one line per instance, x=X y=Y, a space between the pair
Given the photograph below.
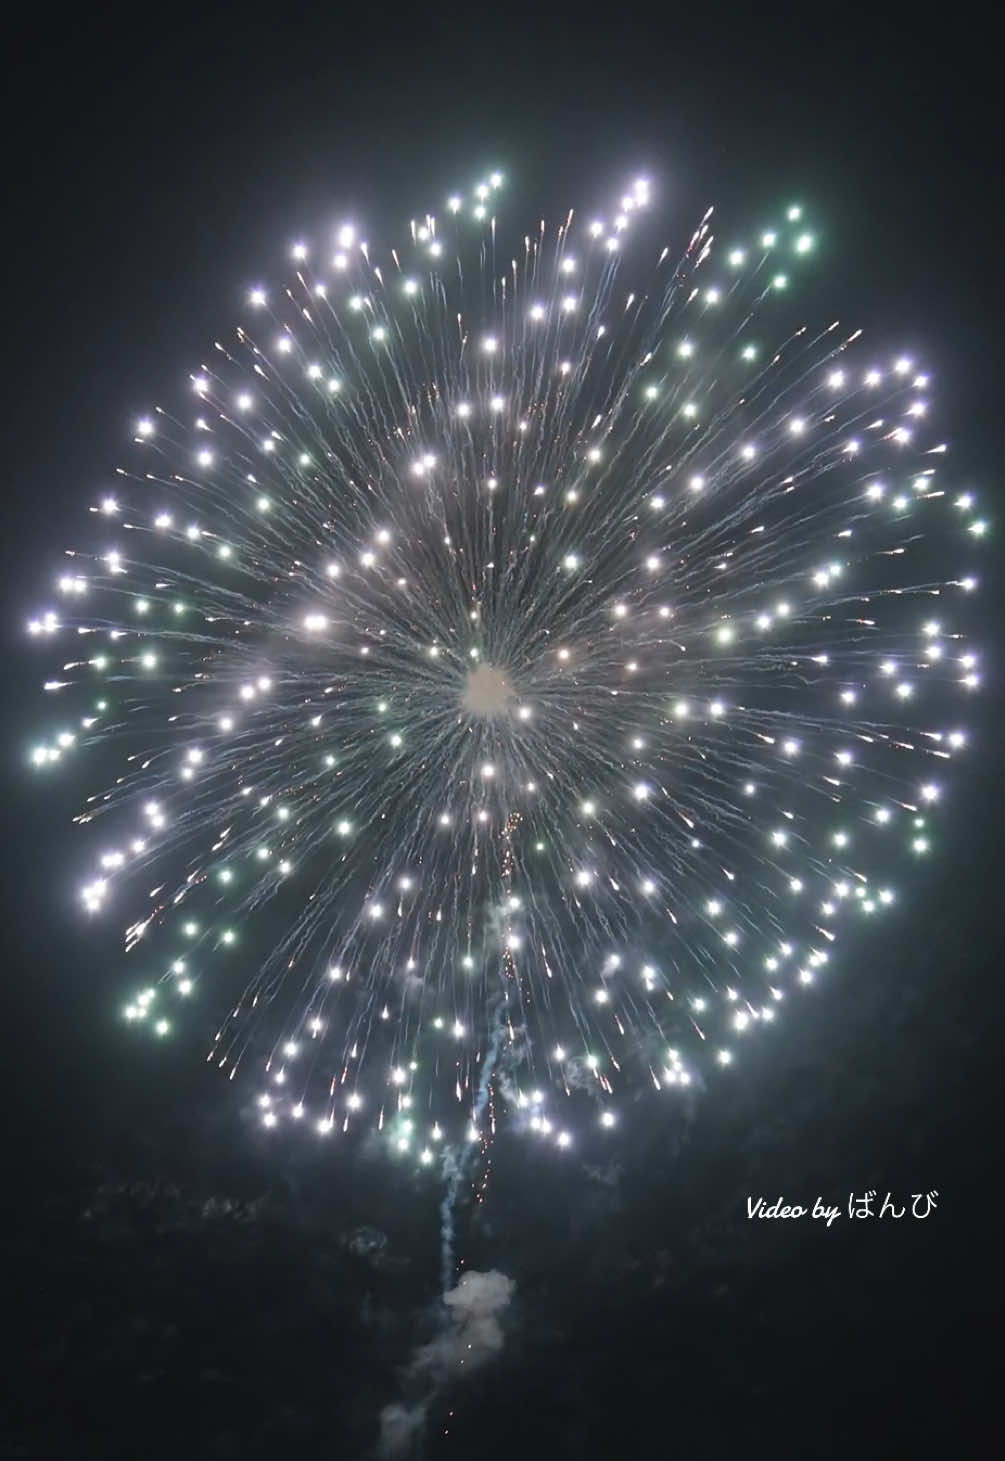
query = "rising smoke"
x=471 y=1334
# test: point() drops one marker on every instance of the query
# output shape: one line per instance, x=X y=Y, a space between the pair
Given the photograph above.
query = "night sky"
x=180 y=1284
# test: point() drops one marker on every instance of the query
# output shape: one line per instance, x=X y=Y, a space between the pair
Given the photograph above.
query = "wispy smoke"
x=401 y=1430
x=472 y=1333
x=457 y=1160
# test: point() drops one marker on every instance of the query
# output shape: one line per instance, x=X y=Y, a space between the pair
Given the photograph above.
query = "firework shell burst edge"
x=523 y=654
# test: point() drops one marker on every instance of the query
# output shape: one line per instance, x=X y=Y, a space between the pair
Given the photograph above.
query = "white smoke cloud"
x=401 y=1428
x=474 y=1330
x=472 y=1334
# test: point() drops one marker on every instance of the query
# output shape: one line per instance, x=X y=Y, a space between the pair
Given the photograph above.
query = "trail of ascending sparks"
x=546 y=646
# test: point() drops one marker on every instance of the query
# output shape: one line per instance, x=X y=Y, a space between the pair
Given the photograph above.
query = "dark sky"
x=154 y=163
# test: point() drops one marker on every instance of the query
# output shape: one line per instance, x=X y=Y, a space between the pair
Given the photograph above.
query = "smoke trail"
x=472 y=1334
x=401 y=1427
x=457 y=1159
x=472 y=1331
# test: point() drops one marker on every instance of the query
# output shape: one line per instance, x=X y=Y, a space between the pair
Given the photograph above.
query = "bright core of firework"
x=524 y=654
x=487 y=691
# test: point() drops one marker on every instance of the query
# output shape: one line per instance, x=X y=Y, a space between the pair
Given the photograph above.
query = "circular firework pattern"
x=516 y=661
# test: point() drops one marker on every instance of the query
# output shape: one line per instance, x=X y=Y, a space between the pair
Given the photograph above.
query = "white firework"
x=523 y=662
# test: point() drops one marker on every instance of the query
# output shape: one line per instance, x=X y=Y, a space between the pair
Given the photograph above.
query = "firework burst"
x=524 y=656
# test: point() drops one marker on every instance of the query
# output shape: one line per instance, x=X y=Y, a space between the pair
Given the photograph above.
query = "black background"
x=154 y=162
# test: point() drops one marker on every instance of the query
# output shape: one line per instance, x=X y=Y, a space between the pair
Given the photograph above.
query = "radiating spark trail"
x=525 y=655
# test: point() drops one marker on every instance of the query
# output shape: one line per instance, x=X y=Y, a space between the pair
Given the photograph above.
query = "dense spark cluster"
x=522 y=663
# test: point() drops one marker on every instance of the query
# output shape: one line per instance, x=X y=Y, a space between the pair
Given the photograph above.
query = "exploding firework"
x=524 y=656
